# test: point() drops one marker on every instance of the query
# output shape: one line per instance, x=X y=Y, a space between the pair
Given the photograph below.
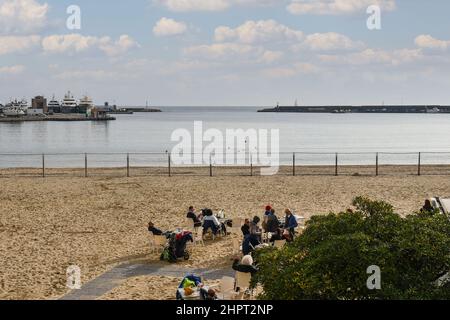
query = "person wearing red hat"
x=268 y=211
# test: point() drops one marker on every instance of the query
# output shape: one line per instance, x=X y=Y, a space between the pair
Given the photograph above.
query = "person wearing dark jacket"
x=273 y=226
x=427 y=208
x=290 y=223
x=246 y=227
x=191 y=215
x=245 y=265
x=154 y=230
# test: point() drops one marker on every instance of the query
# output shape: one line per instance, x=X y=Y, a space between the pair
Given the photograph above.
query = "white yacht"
x=53 y=105
x=69 y=103
x=15 y=108
x=86 y=104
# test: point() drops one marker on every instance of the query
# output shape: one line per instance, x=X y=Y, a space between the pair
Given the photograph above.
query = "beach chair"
x=189 y=224
x=158 y=243
x=198 y=236
x=279 y=243
x=243 y=280
x=227 y=288
x=236 y=246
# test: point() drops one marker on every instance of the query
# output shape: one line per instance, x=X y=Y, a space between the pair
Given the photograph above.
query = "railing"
x=162 y=164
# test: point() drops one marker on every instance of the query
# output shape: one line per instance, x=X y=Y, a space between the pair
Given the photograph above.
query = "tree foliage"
x=329 y=260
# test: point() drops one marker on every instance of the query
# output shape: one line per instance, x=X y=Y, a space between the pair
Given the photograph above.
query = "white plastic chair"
x=243 y=280
x=198 y=236
x=157 y=243
x=236 y=246
x=227 y=288
x=189 y=224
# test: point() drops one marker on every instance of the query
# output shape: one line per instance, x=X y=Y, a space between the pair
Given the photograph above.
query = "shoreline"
x=62 y=118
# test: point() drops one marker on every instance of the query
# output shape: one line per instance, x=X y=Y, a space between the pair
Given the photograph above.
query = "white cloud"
x=169 y=27
x=271 y=56
x=98 y=75
x=12 y=69
x=22 y=16
x=118 y=47
x=375 y=56
x=75 y=43
x=14 y=44
x=257 y=31
x=222 y=51
x=330 y=41
x=210 y=5
x=428 y=42
x=290 y=71
x=336 y=7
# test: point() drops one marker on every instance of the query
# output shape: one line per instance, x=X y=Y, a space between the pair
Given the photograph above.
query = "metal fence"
x=161 y=164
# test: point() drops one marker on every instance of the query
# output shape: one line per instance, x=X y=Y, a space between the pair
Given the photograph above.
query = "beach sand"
x=96 y=223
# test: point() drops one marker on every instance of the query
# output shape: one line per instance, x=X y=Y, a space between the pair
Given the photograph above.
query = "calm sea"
x=315 y=133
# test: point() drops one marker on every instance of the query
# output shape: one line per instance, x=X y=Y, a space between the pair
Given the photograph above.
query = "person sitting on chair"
x=245 y=265
x=191 y=215
x=154 y=230
x=427 y=208
x=210 y=222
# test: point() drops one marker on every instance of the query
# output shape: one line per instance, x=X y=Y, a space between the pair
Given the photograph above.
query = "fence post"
x=293 y=164
x=210 y=166
x=251 y=165
x=419 y=164
x=85 y=165
x=128 y=165
x=169 y=164
x=43 y=165
x=336 y=173
x=377 y=165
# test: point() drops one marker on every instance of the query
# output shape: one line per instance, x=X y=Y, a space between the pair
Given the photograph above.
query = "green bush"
x=330 y=259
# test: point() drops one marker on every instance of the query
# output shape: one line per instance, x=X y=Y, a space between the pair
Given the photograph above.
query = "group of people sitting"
x=208 y=221
x=271 y=224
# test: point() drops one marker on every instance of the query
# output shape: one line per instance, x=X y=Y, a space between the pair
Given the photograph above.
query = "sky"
x=227 y=52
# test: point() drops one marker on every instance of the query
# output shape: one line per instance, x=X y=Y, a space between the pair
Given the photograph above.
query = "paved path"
x=116 y=276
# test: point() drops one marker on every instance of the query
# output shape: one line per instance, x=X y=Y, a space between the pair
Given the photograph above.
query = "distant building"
x=99 y=113
x=39 y=102
x=35 y=112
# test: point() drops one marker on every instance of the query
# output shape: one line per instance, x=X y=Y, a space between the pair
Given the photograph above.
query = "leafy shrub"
x=329 y=260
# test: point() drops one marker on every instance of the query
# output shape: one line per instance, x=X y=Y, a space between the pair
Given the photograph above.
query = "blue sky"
x=227 y=52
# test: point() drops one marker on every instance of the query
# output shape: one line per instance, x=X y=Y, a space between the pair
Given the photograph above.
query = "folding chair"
x=158 y=243
x=198 y=236
x=243 y=280
x=227 y=288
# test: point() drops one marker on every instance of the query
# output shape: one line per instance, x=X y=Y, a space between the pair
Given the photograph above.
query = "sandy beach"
x=99 y=222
